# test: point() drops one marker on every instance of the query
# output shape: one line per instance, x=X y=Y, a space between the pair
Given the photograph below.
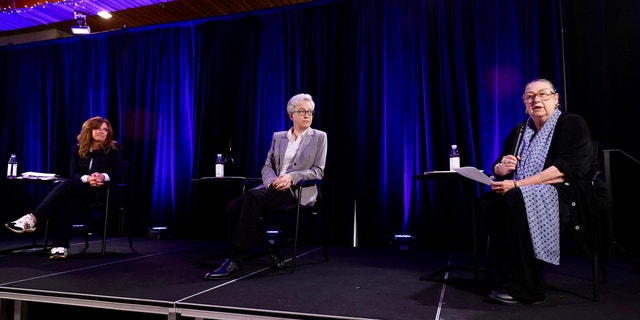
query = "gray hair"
x=297 y=100
x=548 y=82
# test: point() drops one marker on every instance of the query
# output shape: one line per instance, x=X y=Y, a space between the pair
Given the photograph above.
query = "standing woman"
x=544 y=187
x=95 y=161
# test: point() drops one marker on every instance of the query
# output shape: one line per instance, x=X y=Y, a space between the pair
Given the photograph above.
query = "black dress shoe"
x=276 y=255
x=501 y=297
x=226 y=270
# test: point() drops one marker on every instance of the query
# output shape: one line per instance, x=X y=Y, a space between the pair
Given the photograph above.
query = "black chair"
x=297 y=211
x=602 y=203
x=115 y=202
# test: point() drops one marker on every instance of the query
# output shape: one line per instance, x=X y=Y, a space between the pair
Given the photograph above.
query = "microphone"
x=516 y=144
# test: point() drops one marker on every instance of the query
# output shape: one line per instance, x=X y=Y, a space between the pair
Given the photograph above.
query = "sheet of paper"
x=474 y=174
x=38 y=175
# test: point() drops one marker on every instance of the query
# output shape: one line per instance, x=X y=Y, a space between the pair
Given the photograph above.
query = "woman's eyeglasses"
x=544 y=95
x=305 y=112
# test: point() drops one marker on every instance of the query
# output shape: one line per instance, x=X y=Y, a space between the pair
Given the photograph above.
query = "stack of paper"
x=38 y=175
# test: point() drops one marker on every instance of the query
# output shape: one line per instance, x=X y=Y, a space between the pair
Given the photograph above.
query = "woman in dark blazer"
x=95 y=161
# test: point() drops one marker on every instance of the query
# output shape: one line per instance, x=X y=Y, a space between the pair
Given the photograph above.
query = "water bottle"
x=219 y=166
x=454 y=158
x=12 y=167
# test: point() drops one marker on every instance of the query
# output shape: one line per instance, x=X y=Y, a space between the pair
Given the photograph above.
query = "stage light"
x=81 y=30
x=272 y=235
x=403 y=241
x=159 y=233
x=104 y=14
x=82 y=27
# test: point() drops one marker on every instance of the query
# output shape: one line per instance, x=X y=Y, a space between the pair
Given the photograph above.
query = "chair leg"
x=488 y=264
x=596 y=277
x=46 y=237
x=86 y=237
x=128 y=227
x=323 y=237
x=294 y=252
x=106 y=224
x=104 y=234
x=106 y=219
x=603 y=268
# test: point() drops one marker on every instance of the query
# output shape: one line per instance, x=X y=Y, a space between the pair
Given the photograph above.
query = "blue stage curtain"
x=395 y=84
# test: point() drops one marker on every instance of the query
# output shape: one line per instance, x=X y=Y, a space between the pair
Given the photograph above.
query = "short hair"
x=551 y=86
x=297 y=100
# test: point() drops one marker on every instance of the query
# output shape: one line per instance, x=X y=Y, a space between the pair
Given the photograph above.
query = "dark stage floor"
x=162 y=279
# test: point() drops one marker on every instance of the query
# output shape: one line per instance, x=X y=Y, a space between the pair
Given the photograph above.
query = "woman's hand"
x=507 y=165
x=96 y=179
x=500 y=187
x=282 y=182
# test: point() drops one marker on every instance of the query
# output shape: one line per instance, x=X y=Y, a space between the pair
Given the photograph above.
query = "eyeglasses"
x=544 y=95
x=302 y=113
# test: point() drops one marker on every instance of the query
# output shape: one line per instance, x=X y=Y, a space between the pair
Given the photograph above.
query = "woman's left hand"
x=501 y=187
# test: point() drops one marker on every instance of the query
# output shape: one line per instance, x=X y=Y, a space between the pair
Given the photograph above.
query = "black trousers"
x=245 y=218
x=519 y=273
x=61 y=204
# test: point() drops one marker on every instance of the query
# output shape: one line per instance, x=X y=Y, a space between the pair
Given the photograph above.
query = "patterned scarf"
x=540 y=200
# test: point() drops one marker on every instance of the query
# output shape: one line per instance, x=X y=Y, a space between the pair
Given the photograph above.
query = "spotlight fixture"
x=82 y=27
x=104 y=14
x=403 y=241
x=159 y=233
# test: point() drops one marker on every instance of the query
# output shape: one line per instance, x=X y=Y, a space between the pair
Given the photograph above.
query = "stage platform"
x=163 y=279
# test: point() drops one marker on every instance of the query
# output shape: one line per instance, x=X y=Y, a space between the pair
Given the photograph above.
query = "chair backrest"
x=120 y=186
x=125 y=173
x=601 y=190
x=596 y=173
x=304 y=184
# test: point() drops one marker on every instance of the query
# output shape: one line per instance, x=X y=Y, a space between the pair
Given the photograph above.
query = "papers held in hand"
x=474 y=174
